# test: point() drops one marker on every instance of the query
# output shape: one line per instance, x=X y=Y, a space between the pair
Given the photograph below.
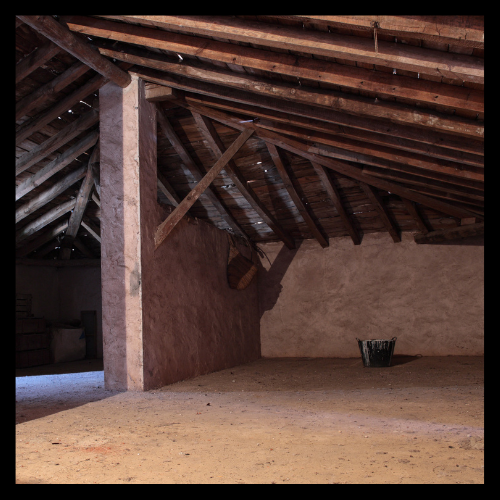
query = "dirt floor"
x=274 y=421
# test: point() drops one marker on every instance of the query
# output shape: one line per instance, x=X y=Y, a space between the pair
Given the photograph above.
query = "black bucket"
x=376 y=353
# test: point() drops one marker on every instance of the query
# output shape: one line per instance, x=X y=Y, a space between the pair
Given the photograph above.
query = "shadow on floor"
x=82 y=365
x=401 y=359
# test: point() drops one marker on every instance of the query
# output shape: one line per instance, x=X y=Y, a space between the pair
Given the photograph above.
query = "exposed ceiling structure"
x=351 y=124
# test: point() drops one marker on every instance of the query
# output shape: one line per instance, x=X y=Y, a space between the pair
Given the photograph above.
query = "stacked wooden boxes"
x=32 y=342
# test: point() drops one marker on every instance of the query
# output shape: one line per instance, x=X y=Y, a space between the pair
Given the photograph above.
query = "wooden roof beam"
x=285 y=172
x=286 y=97
x=453 y=233
x=465 y=31
x=165 y=187
x=77 y=213
x=56 y=141
x=325 y=177
x=34 y=60
x=40 y=120
x=164 y=229
x=91 y=228
x=57 y=164
x=195 y=171
x=408 y=57
x=344 y=168
x=41 y=240
x=50 y=193
x=382 y=84
x=376 y=201
x=64 y=38
x=412 y=210
x=215 y=143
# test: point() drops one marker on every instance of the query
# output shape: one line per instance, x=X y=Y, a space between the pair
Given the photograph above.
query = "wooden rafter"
x=40 y=120
x=166 y=188
x=412 y=210
x=325 y=177
x=42 y=239
x=344 y=168
x=42 y=221
x=57 y=140
x=34 y=60
x=172 y=220
x=61 y=36
x=91 y=228
x=409 y=58
x=43 y=93
x=57 y=164
x=195 y=171
x=300 y=67
x=50 y=193
x=376 y=201
x=83 y=248
x=213 y=139
x=246 y=89
x=453 y=233
x=76 y=215
x=285 y=173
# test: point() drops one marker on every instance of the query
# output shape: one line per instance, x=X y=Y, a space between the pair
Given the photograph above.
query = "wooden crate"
x=23 y=305
x=30 y=325
x=32 y=341
x=25 y=359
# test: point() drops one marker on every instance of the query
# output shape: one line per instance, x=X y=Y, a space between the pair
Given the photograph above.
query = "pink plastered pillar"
x=128 y=194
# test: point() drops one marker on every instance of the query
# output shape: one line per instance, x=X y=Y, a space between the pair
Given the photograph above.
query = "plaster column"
x=128 y=181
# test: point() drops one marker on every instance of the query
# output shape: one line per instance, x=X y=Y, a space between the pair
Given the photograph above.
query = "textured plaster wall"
x=196 y=323
x=314 y=302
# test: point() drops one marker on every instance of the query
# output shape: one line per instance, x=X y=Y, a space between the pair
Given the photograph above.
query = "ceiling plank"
x=64 y=38
x=195 y=171
x=460 y=232
x=40 y=120
x=458 y=30
x=42 y=221
x=215 y=142
x=401 y=57
x=43 y=93
x=57 y=164
x=76 y=215
x=50 y=193
x=380 y=83
x=284 y=171
x=34 y=60
x=41 y=240
x=412 y=210
x=325 y=177
x=56 y=141
x=164 y=229
x=331 y=100
x=344 y=168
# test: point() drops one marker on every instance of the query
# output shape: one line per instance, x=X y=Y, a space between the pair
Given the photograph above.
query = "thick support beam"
x=353 y=77
x=56 y=141
x=34 y=60
x=333 y=193
x=408 y=57
x=195 y=171
x=39 y=96
x=285 y=173
x=376 y=201
x=77 y=214
x=61 y=36
x=453 y=233
x=158 y=93
x=57 y=164
x=49 y=194
x=172 y=220
x=242 y=185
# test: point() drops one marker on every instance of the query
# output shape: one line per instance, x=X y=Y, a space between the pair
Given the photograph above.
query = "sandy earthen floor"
x=276 y=421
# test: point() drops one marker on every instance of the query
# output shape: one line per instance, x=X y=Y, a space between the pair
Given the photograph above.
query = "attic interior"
x=195 y=194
